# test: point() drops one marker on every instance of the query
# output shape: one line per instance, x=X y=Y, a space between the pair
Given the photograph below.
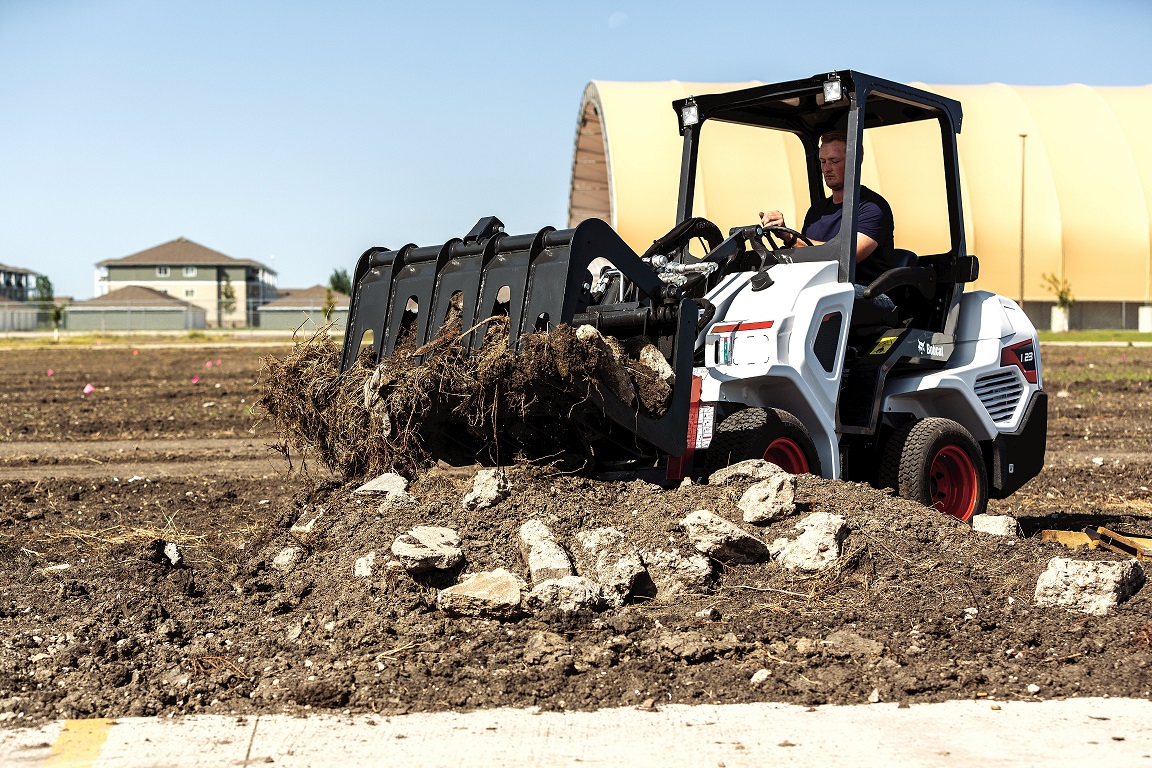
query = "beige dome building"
x=1070 y=200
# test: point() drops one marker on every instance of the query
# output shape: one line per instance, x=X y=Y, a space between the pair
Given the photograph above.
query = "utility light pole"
x=1023 y=158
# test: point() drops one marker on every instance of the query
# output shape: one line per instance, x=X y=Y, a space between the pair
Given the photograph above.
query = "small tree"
x=329 y=304
x=227 y=297
x=1061 y=288
x=44 y=295
x=339 y=281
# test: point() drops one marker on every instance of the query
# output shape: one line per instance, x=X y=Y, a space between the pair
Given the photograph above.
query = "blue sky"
x=301 y=133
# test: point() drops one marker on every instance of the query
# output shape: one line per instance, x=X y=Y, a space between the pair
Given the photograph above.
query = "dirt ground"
x=166 y=449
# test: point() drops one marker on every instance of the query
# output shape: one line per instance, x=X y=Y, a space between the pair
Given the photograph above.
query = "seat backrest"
x=903 y=258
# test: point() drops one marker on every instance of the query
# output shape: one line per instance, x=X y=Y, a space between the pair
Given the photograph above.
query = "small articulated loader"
x=773 y=353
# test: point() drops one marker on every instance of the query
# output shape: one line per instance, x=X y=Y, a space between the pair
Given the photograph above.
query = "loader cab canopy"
x=874 y=113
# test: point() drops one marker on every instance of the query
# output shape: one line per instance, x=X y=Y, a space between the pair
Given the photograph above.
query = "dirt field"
x=166 y=449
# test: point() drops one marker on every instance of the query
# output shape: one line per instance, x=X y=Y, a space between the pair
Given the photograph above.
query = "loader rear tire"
x=937 y=463
x=764 y=433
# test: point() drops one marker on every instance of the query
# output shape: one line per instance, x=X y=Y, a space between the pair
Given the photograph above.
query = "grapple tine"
x=548 y=283
x=371 y=292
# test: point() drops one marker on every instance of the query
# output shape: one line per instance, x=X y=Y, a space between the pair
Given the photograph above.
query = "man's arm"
x=865 y=243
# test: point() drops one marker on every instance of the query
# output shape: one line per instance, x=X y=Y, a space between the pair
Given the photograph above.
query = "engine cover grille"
x=1000 y=393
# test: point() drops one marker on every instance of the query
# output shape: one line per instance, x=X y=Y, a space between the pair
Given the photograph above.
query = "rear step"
x=548 y=283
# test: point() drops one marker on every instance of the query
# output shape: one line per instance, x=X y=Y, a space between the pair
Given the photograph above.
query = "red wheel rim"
x=788 y=455
x=952 y=481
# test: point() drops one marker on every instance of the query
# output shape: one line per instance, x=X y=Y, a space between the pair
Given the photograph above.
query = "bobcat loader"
x=773 y=354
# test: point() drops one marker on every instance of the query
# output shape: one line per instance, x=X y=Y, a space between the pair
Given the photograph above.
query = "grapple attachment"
x=539 y=281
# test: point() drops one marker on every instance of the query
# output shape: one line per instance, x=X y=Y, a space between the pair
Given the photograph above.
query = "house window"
x=190 y=293
x=189 y=271
x=161 y=271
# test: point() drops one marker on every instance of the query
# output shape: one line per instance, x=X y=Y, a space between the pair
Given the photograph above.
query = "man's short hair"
x=833 y=136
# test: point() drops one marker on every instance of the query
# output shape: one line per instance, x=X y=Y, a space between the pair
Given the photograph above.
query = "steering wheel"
x=784 y=230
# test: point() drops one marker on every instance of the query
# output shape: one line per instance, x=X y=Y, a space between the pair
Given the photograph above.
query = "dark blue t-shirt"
x=826 y=227
x=823 y=223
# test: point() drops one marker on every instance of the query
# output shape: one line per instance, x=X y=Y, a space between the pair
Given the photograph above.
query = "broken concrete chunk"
x=759 y=677
x=674 y=574
x=770 y=498
x=568 y=594
x=1088 y=587
x=490 y=594
x=714 y=536
x=606 y=556
x=286 y=559
x=428 y=548
x=816 y=548
x=609 y=368
x=755 y=469
x=544 y=556
x=489 y=487
x=997 y=525
x=173 y=553
x=362 y=568
x=546 y=647
x=305 y=527
x=389 y=482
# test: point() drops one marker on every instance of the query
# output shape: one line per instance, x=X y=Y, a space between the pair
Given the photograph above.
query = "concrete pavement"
x=1074 y=732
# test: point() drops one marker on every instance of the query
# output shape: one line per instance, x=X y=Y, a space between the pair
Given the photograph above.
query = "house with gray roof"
x=229 y=290
x=135 y=308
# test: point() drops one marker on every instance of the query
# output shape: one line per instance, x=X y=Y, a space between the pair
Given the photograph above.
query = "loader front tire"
x=764 y=433
x=937 y=463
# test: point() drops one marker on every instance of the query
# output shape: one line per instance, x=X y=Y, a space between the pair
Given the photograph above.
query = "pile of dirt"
x=443 y=399
x=918 y=607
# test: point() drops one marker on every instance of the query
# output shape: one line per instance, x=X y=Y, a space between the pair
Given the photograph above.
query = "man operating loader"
x=822 y=222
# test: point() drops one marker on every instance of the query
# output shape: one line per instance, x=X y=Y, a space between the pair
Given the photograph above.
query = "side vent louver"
x=1000 y=392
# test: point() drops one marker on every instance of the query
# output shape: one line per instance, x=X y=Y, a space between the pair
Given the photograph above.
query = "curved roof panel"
x=1075 y=195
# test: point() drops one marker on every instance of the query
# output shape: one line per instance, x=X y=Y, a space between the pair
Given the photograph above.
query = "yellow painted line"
x=78 y=745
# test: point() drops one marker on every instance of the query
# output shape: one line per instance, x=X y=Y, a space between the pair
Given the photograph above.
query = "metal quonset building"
x=1071 y=198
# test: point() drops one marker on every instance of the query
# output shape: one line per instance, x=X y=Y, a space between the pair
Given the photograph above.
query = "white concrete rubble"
x=714 y=536
x=428 y=548
x=756 y=469
x=286 y=559
x=769 y=499
x=609 y=368
x=304 y=529
x=758 y=677
x=674 y=574
x=607 y=557
x=816 y=548
x=363 y=567
x=645 y=353
x=997 y=525
x=543 y=555
x=568 y=594
x=494 y=594
x=489 y=487
x=389 y=482
x=1086 y=586
x=172 y=552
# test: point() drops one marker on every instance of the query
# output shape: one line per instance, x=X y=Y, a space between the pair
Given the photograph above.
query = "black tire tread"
x=730 y=441
x=905 y=454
